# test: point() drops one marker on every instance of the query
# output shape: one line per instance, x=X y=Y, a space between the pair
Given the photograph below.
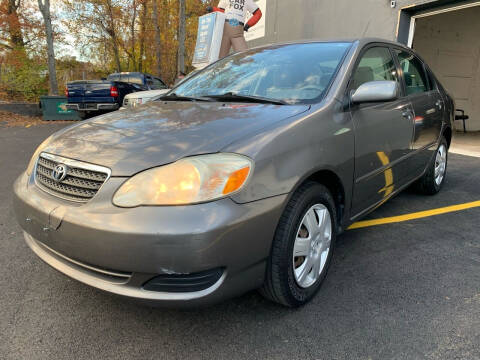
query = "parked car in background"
x=241 y=177
x=142 y=97
x=96 y=96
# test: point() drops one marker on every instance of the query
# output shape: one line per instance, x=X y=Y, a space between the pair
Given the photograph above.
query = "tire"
x=288 y=281
x=82 y=115
x=430 y=183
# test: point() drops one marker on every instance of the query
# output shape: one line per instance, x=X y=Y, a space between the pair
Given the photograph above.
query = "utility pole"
x=158 y=45
x=44 y=6
x=181 y=37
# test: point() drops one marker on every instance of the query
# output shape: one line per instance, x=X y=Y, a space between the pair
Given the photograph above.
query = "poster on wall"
x=258 y=31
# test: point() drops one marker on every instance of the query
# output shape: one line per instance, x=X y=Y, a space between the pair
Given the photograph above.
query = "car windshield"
x=295 y=73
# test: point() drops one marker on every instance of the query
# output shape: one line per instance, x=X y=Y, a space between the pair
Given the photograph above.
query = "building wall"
x=450 y=44
x=332 y=19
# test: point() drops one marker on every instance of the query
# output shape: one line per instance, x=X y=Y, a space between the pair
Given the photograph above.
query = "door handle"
x=407 y=114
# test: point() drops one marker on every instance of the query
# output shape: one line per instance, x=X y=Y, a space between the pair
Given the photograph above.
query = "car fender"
x=288 y=153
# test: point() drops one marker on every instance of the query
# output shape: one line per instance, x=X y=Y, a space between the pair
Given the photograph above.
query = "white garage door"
x=450 y=43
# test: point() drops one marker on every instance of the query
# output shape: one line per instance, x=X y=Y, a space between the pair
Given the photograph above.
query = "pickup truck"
x=89 y=96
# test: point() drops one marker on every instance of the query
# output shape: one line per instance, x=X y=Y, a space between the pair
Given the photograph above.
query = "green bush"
x=23 y=79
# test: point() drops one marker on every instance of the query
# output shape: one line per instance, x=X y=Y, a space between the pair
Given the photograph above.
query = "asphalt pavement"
x=407 y=290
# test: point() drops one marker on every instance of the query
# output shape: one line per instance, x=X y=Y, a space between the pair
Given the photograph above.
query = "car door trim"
x=384 y=200
x=395 y=192
x=392 y=164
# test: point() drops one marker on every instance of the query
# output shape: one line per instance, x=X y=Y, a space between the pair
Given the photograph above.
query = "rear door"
x=383 y=133
x=427 y=105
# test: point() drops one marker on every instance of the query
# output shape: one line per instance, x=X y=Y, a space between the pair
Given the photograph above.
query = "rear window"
x=128 y=78
x=135 y=79
x=114 y=77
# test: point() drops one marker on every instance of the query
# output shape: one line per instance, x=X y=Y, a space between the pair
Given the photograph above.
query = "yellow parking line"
x=415 y=215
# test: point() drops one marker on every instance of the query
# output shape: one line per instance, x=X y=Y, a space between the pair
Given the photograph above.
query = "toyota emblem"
x=59 y=172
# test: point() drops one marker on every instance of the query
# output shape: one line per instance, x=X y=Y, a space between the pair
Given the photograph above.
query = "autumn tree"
x=22 y=50
x=153 y=36
x=10 y=9
x=97 y=24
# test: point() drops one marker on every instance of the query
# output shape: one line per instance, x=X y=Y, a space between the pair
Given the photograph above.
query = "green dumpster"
x=53 y=108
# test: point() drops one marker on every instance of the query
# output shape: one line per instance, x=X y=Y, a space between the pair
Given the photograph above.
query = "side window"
x=157 y=84
x=413 y=73
x=376 y=64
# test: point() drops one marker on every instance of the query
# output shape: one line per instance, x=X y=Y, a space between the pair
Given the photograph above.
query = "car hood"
x=162 y=132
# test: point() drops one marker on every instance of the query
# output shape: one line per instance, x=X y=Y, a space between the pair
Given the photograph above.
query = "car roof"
x=360 y=41
x=127 y=73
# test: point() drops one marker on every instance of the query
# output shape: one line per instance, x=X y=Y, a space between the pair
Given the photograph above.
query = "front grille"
x=80 y=184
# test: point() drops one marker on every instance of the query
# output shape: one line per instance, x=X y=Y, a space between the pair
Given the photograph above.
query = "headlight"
x=136 y=102
x=37 y=152
x=190 y=180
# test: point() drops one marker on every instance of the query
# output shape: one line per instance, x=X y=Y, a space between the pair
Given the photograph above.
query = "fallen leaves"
x=8 y=119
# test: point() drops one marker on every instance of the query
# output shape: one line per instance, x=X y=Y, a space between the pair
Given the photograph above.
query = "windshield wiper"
x=175 y=97
x=231 y=96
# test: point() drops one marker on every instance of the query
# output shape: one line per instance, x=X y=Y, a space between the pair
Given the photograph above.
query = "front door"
x=383 y=134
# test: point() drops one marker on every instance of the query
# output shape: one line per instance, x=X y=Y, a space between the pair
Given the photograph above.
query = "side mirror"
x=376 y=91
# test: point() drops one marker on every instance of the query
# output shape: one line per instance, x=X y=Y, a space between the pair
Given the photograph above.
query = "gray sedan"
x=242 y=177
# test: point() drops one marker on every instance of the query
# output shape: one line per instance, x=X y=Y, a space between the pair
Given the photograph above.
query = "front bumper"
x=118 y=250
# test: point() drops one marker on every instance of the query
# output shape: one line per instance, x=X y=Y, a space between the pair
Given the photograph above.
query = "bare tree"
x=110 y=29
x=44 y=6
x=181 y=37
x=158 y=45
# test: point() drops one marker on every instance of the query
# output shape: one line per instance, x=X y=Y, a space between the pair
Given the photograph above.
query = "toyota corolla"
x=241 y=177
